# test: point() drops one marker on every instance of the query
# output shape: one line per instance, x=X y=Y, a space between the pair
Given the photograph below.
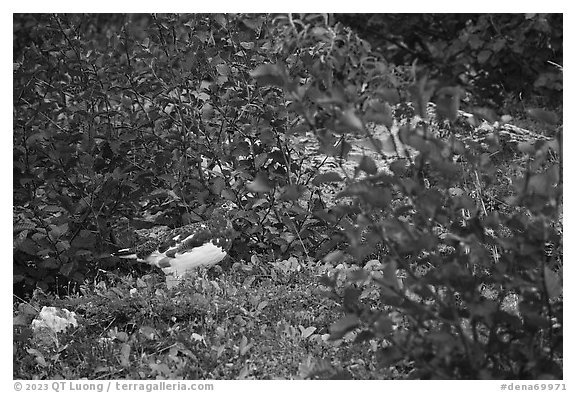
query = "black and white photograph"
x=205 y=197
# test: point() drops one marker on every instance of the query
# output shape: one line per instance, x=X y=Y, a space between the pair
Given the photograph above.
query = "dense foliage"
x=446 y=247
x=498 y=56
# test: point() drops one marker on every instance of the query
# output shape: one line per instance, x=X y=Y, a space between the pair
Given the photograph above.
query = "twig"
x=301 y=242
x=24 y=301
x=106 y=328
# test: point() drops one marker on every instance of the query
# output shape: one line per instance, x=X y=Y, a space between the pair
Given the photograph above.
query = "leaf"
x=217 y=185
x=357 y=275
x=351 y=120
x=421 y=92
x=485 y=114
x=306 y=332
x=49 y=263
x=125 y=355
x=354 y=189
x=543 y=115
x=38 y=356
x=484 y=309
x=148 y=332
x=390 y=95
x=505 y=119
x=455 y=191
x=380 y=113
x=320 y=33
x=388 y=145
x=464 y=202
x=378 y=197
x=368 y=165
x=262 y=305
x=400 y=167
x=448 y=102
x=328 y=177
x=68 y=269
x=57 y=231
x=390 y=355
x=27 y=309
x=260 y=160
x=526 y=147
x=222 y=69
x=126 y=102
x=483 y=56
x=292 y=192
x=21 y=320
x=122 y=336
x=260 y=184
x=51 y=209
x=197 y=337
x=248 y=282
x=247 y=45
x=340 y=150
x=244 y=346
x=252 y=23
x=368 y=143
x=383 y=325
x=541 y=183
x=343 y=326
x=389 y=275
x=498 y=45
x=269 y=74
x=245 y=372
x=221 y=20
x=306 y=367
x=85 y=239
x=334 y=257
x=552 y=282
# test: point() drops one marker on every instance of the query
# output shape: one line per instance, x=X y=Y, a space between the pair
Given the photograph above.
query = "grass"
x=239 y=325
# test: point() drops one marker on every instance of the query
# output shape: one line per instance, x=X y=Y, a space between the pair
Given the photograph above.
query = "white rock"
x=55 y=319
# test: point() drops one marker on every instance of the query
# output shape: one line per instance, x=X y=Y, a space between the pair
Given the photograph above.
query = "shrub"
x=496 y=56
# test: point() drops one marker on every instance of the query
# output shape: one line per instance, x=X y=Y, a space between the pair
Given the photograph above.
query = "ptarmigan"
x=182 y=250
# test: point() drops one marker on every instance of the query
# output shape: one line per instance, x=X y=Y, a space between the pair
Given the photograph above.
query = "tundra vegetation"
x=398 y=183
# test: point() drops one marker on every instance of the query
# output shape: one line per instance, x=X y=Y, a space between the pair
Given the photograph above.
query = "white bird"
x=182 y=250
